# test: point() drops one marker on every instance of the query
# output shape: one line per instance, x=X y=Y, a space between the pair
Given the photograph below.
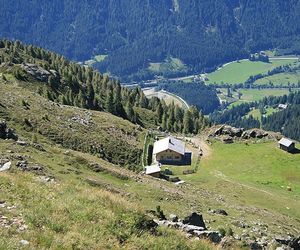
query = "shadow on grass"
x=295 y=151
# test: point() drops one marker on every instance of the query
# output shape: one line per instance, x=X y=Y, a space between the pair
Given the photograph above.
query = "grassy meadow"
x=282 y=79
x=239 y=72
x=250 y=95
x=252 y=178
x=169 y=65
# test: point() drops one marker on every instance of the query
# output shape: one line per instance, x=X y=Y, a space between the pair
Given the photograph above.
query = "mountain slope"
x=134 y=33
x=62 y=81
x=109 y=137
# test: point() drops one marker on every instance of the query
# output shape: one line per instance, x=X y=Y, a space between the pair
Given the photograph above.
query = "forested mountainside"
x=285 y=121
x=71 y=84
x=131 y=34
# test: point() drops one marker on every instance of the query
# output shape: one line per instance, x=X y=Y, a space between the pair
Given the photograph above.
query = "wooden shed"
x=287 y=145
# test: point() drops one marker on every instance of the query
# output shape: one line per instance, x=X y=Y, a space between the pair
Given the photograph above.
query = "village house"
x=287 y=145
x=171 y=151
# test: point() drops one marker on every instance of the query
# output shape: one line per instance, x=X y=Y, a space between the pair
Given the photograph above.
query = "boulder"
x=5 y=132
x=255 y=246
x=5 y=167
x=24 y=242
x=219 y=211
x=173 y=217
x=22 y=143
x=195 y=220
x=228 y=130
x=213 y=236
x=227 y=139
x=37 y=71
x=191 y=228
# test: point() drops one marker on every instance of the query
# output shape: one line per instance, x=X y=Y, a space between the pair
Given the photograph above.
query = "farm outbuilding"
x=171 y=151
x=153 y=170
x=287 y=145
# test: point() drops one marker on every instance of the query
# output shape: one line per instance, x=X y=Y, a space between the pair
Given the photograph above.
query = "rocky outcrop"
x=228 y=130
x=227 y=134
x=292 y=242
x=193 y=225
x=195 y=220
x=5 y=132
x=38 y=72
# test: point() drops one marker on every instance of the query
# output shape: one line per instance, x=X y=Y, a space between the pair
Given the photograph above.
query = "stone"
x=5 y=167
x=173 y=217
x=5 y=132
x=38 y=146
x=220 y=211
x=192 y=228
x=255 y=246
x=195 y=220
x=213 y=236
x=36 y=71
x=22 y=143
x=227 y=140
x=22 y=165
x=46 y=178
x=24 y=242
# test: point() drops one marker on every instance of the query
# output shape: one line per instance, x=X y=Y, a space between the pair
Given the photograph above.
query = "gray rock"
x=5 y=132
x=195 y=220
x=192 y=228
x=22 y=143
x=213 y=236
x=24 y=242
x=37 y=71
x=227 y=139
x=6 y=166
x=219 y=211
x=255 y=246
x=173 y=217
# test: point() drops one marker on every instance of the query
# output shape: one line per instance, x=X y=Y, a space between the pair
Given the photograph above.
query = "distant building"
x=153 y=170
x=287 y=145
x=282 y=106
x=171 y=151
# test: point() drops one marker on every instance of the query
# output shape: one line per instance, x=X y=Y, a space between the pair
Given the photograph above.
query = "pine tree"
x=109 y=102
x=187 y=122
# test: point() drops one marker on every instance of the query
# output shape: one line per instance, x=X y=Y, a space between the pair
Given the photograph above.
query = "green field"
x=257 y=114
x=97 y=58
x=251 y=95
x=169 y=65
x=280 y=79
x=239 y=72
x=256 y=174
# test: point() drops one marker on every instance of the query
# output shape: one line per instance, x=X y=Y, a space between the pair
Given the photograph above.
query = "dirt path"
x=200 y=142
